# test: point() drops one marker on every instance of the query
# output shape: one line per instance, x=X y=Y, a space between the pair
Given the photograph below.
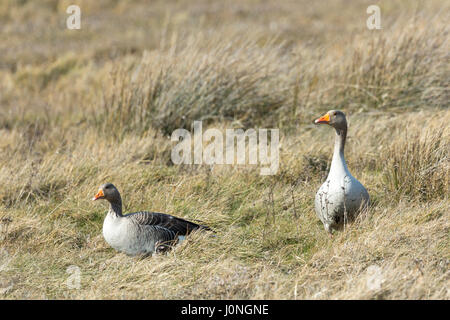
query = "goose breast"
x=338 y=199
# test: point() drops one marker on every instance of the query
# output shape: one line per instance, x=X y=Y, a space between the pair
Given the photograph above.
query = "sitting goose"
x=140 y=233
x=341 y=196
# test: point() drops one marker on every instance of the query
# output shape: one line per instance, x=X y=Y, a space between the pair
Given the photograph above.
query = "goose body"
x=341 y=196
x=140 y=233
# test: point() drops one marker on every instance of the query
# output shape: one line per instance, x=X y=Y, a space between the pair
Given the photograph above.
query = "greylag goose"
x=143 y=232
x=341 y=196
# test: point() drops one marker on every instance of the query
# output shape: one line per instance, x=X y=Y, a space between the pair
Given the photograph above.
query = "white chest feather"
x=115 y=232
x=340 y=195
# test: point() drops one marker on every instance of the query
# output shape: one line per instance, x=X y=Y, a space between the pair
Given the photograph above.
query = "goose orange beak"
x=323 y=119
x=99 y=195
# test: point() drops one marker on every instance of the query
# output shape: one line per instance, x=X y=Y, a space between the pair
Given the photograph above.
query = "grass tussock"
x=237 y=81
x=256 y=84
x=80 y=108
x=419 y=166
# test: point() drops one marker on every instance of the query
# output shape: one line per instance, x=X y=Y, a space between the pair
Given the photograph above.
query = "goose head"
x=334 y=118
x=109 y=192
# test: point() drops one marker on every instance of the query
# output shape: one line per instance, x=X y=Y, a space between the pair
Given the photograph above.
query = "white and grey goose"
x=341 y=196
x=143 y=232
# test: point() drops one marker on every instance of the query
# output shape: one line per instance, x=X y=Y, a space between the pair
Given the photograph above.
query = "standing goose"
x=341 y=196
x=143 y=232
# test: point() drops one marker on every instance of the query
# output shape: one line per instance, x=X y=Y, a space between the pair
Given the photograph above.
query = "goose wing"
x=174 y=225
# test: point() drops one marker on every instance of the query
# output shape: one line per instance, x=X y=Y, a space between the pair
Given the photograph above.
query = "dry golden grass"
x=79 y=108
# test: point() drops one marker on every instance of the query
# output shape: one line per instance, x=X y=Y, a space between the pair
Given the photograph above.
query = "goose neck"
x=116 y=208
x=338 y=161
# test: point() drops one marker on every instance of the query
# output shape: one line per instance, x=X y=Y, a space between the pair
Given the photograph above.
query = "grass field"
x=79 y=108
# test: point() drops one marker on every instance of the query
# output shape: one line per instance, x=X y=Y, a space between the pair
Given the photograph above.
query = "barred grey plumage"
x=142 y=232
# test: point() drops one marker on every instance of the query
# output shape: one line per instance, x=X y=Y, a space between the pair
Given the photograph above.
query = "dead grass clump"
x=418 y=166
x=232 y=81
x=260 y=83
x=38 y=78
x=404 y=68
